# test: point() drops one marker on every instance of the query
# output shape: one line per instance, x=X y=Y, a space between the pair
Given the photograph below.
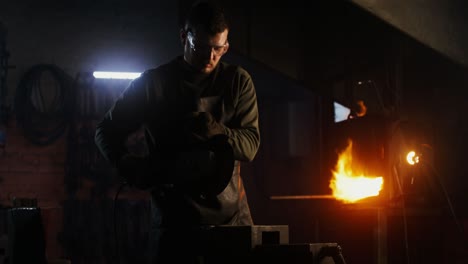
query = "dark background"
x=409 y=55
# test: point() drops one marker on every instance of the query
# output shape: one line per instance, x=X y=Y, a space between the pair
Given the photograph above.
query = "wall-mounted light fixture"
x=116 y=75
x=412 y=158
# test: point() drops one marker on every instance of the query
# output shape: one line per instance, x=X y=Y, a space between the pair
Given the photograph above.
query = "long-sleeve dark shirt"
x=159 y=100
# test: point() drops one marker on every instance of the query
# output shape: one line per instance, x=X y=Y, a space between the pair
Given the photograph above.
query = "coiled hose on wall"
x=44 y=104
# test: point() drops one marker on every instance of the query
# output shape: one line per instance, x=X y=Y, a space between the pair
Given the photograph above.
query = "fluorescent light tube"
x=116 y=75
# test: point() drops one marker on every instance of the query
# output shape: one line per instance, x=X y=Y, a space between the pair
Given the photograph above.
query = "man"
x=194 y=108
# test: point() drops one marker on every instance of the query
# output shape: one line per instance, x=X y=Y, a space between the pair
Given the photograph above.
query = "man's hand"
x=135 y=170
x=203 y=126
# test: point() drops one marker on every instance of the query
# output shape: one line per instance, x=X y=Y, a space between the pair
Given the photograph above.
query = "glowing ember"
x=349 y=186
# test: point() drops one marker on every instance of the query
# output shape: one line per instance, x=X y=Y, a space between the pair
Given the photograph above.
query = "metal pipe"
x=302 y=197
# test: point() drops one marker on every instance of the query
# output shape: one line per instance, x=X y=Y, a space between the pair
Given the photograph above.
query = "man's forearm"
x=108 y=142
x=244 y=142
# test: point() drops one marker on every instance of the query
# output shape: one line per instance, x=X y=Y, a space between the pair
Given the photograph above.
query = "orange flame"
x=350 y=187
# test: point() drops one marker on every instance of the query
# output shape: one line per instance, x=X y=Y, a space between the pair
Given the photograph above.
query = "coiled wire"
x=43 y=122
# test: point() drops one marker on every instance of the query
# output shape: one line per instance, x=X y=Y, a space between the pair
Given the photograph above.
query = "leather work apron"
x=178 y=215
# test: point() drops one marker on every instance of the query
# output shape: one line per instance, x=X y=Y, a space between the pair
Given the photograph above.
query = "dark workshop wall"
x=78 y=37
x=437 y=24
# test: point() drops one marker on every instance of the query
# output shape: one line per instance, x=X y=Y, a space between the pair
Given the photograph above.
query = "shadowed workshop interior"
x=337 y=81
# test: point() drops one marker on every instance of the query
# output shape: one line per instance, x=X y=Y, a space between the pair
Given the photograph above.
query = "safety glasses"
x=203 y=48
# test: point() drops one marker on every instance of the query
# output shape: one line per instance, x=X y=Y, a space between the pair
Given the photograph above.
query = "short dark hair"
x=207 y=14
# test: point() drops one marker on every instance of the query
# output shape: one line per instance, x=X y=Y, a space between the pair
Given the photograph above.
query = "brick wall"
x=29 y=171
x=39 y=172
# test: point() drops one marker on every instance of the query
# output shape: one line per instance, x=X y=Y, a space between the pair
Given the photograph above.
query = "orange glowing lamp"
x=412 y=158
x=349 y=186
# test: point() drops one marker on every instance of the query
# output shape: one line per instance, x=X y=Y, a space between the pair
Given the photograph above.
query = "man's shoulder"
x=235 y=69
x=168 y=66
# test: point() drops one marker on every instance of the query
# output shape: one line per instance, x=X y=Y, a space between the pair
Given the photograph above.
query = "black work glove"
x=203 y=126
x=135 y=170
x=207 y=168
